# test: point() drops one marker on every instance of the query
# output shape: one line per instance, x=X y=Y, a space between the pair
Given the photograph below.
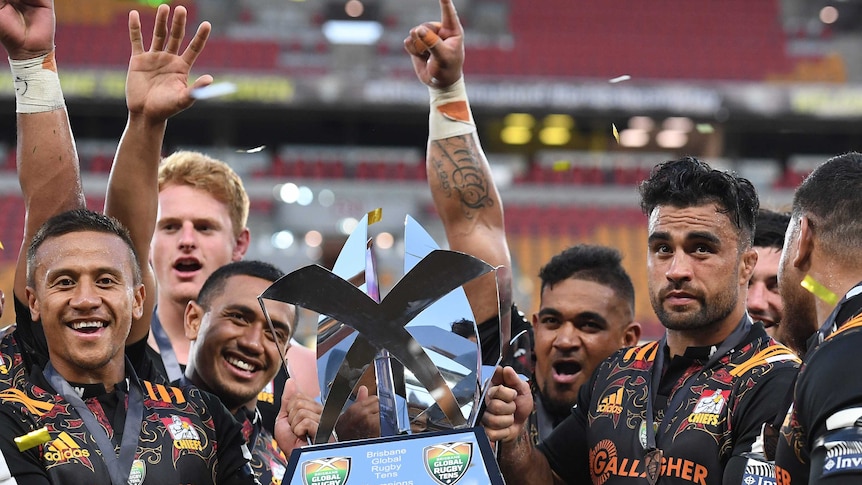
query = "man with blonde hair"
x=200 y=227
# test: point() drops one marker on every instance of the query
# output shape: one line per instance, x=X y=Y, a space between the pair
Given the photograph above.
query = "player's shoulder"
x=762 y=356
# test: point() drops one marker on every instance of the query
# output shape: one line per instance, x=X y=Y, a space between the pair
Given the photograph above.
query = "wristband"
x=37 y=86
x=450 y=112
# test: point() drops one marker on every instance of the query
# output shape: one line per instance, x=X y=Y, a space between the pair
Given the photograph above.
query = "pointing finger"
x=449 y=16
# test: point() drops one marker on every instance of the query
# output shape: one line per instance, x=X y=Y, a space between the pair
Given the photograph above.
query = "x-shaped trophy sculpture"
x=425 y=373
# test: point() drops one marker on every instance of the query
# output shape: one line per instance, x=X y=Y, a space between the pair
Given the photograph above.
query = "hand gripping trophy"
x=428 y=379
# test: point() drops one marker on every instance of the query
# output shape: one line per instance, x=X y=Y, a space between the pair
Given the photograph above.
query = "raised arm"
x=156 y=88
x=48 y=169
x=458 y=172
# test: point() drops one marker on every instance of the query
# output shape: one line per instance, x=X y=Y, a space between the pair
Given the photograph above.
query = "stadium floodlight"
x=357 y=32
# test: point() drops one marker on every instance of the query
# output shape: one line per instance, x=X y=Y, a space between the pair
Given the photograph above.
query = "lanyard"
x=166 y=350
x=118 y=467
x=654 y=454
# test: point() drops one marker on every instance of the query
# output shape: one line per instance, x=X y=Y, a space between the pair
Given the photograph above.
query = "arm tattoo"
x=461 y=175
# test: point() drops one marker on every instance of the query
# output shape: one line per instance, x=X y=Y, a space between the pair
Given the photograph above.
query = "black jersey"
x=267 y=460
x=151 y=364
x=709 y=407
x=821 y=439
x=185 y=436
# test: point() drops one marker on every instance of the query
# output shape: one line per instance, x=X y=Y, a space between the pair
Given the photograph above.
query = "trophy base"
x=438 y=458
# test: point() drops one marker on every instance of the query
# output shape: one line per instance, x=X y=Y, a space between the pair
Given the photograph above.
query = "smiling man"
x=585 y=315
x=234 y=353
x=84 y=285
x=688 y=408
x=764 y=300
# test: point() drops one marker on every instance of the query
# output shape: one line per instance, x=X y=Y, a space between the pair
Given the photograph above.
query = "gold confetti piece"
x=252 y=150
x=561 y=165
x=375 y=215
x=33 y=439
x=619 y=79
x=705 y=128
x=819 y=290
x=616 y=132
x=1 y=245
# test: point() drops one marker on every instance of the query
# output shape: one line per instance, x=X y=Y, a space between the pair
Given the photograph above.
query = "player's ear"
x=193 y=317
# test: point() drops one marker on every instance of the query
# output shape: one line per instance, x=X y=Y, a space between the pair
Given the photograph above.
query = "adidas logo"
x=612 y=403
x=64 y=448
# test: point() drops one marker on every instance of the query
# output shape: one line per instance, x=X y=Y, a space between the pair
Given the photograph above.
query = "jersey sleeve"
x=757 y=406
x=828 y=408
x=18 y=467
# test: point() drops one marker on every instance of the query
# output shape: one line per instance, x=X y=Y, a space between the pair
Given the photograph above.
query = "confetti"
x=1 y=245
x=214 y=90
x=561 y=165
x=705 y=128
x=33 y=439
x=375 y=215
x=615 y=132
x=619 y=79
x=252 y=150
x=819 y=290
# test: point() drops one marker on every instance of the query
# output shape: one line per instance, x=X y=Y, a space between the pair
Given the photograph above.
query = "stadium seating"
x=661 y=39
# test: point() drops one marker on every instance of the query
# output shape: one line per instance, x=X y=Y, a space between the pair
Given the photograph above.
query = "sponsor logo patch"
x=708 y=409
x=758 y=472
x=64 y=448
x=612 y=403
x=183 y=432
x=138 y=472
x=842 y=457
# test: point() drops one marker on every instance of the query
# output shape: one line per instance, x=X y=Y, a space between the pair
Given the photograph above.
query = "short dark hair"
x=215 y=284
x=770 y=228
x=689 y=182
x=830 y=196
x=599 y=264
x=80 y=220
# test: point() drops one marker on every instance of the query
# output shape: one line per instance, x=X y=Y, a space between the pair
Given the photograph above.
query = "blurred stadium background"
x=769 y=88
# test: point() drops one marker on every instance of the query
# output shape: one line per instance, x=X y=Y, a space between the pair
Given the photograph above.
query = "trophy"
x=429 y=380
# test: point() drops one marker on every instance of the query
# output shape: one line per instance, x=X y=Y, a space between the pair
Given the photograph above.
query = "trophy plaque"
x=428 y=379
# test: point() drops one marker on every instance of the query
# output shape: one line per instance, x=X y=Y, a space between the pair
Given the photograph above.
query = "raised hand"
x=157 y=84
x=27 y=27
x=508 y=403
x=361 y=419
x=297 y=419
x=437 y=48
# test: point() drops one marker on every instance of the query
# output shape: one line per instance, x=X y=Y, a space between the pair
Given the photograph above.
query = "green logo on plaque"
x=326 y=471
x=447 y=463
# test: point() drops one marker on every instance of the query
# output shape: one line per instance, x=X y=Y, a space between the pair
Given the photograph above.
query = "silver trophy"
x=427 y=377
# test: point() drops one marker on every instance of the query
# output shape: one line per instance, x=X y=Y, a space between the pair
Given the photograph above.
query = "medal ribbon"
x=118 y=467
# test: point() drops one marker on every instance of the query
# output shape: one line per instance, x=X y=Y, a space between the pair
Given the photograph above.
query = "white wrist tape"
x=450 y=112
x=37 y=86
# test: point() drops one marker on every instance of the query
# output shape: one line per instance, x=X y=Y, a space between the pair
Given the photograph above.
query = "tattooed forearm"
x=461 y=173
